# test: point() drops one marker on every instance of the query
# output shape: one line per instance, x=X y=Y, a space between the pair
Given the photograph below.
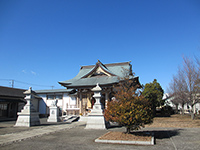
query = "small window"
x=50 y=96
x=3 y=106
x=54 y=96
x=59 y=97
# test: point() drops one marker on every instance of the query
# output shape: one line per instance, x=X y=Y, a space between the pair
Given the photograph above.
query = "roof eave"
x=91 y=86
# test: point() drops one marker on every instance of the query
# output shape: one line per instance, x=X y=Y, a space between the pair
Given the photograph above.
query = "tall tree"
x=130 y=109
x=154 y=92
x=187 y=85
x=177 y=90
x=191 y=74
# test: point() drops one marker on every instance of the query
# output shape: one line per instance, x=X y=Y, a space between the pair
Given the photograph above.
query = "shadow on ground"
x=158 y=134
x=163 y=134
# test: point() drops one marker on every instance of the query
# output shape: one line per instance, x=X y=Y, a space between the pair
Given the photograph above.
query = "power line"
x=32 y=84
x=12 y=83
x=6 y=79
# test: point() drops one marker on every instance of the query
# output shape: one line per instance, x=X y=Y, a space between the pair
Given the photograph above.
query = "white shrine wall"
x=67 y=101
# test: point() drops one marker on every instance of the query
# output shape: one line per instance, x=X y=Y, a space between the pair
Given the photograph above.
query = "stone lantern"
x=28 y=116
x=95 y=118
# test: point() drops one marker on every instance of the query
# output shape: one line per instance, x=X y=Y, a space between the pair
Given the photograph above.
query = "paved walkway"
x=33 y=132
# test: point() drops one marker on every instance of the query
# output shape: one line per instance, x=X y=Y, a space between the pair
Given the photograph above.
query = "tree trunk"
x=182 y=109
x=154 y=109
x=128 y=130
x=192 y=116
x=176 y=109
x=192 y=113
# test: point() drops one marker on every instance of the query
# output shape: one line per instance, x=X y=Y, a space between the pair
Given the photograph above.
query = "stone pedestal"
x=54 y=113
x=28 y=116
x=95 y=118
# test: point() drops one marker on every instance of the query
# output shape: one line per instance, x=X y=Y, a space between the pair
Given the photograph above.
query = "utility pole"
x=12 y=83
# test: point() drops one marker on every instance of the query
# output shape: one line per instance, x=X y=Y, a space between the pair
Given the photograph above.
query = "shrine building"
x=106 y=75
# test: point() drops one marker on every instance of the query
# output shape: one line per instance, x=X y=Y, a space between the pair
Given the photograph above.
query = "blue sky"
x=43 y=42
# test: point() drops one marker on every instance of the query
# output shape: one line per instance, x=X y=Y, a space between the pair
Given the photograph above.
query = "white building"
x=67 y=100
x=187 y=108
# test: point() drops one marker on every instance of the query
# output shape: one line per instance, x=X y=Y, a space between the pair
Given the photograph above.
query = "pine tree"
x=154 y=93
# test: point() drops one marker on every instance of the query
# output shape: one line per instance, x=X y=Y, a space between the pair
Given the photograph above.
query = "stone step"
x=70 y=119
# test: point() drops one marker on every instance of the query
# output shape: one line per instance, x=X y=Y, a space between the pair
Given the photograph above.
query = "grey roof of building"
x=16 y=100
x=53 y=91
x=8 y=94
x=11 y=92
x=117 y=71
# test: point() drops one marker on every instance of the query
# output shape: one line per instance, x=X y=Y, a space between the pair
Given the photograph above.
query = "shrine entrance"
x=85 y=100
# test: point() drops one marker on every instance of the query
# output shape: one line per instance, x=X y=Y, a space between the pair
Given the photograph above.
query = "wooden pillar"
x=80 y=102
x=106 y=99
x=77 y=102
x=62 y=107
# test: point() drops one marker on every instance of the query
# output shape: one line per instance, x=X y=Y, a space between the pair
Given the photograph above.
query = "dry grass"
x=175 y=121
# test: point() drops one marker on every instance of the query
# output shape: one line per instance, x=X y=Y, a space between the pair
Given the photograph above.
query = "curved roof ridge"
x=102 y=66
x=109 y=64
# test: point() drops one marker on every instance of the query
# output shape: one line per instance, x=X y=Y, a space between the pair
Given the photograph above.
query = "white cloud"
x=34 y=73
x=24 y=71
x=29 y=72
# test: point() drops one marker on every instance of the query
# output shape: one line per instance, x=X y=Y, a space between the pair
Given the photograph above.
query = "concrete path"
x=41 y=130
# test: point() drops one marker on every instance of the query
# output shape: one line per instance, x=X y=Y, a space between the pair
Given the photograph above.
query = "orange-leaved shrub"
x=130 y=109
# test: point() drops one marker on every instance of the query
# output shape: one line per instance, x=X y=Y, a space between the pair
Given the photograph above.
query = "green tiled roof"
x=116 y=71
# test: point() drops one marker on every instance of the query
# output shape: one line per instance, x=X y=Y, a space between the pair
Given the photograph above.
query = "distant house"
x=11 y=102
x=168 y=100
x=187 y=108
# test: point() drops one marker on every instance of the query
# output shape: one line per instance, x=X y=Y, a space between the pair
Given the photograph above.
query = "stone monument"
x=28 y=116
x=95 y=118
x=54 y=112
